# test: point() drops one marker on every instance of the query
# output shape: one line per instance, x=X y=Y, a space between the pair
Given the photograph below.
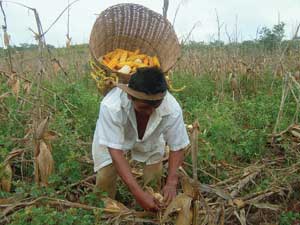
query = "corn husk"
x=50 y=135
x=42 y=127
x=156 y=195
x=45 y=163
x=27 y=87
x=182 y=205
x=113 y=206
x=6 y=178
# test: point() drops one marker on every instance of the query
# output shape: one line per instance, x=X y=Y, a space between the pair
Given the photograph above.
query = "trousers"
x=106 y=179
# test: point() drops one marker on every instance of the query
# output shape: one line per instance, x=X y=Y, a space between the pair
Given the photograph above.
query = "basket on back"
x=131 y=27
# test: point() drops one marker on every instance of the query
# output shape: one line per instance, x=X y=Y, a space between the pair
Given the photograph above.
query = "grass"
x=233 y=131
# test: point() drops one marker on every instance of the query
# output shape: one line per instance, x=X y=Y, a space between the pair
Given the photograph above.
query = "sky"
x=241 y=17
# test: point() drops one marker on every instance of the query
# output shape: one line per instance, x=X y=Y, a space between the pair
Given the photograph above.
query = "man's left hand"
x=169 y=193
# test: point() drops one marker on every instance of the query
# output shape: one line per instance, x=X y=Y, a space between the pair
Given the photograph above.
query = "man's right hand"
x=147 y=201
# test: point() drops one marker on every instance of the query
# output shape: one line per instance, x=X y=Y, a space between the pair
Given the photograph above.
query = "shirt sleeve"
x=110 y=131
x=175 y=134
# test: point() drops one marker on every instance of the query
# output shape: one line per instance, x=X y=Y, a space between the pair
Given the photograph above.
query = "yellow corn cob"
x=119 y=58
x=134 y=57
x=123 y=56
x=155 y=61
x=146 y=61
x=114 y=61
x=150 y=62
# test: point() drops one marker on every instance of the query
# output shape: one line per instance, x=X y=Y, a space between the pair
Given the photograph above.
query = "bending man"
x=142 y=117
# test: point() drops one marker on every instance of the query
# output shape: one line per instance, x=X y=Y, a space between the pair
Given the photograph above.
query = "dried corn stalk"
x=6 y=38
x=68 y=42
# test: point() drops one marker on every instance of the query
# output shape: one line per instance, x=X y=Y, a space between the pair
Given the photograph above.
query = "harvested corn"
x=127 y=62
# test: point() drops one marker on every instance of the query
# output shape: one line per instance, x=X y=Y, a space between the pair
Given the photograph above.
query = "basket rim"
x=147 y=9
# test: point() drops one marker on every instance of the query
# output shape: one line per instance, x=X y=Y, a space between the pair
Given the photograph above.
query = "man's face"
x=145 y=107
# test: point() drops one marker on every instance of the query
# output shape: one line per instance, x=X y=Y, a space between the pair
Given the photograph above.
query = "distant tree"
x=217 y=43
x=50 y=46
x=271 y=38
x=26 y=46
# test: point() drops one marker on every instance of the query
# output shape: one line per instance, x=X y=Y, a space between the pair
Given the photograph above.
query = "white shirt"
x=117 y=128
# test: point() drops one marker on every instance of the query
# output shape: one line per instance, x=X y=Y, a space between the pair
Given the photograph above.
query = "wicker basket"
x=131 y=27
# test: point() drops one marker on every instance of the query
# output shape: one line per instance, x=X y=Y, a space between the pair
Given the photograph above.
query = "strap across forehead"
x=141 y=95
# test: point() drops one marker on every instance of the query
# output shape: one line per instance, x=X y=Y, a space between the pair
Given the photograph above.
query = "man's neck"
x=141 y=121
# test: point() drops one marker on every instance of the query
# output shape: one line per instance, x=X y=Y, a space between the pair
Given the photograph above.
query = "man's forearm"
x=175 y=161
x=124 y=170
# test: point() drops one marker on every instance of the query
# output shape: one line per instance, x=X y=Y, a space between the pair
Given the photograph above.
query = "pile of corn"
x=127 y=62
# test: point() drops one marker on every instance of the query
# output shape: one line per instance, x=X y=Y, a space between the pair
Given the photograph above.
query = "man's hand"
x=169 y=193
x=147 y=201
x=169 y=190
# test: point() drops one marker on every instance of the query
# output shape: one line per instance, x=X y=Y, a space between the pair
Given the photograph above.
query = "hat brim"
x=141 y=95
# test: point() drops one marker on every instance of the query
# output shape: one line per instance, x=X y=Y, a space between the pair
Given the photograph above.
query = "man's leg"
x=106 y=180
x=152 y=175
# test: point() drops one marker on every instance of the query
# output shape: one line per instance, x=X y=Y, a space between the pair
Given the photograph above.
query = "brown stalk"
x=6 y=36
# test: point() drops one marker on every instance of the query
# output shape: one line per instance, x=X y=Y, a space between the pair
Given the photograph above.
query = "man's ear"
x=129 y=97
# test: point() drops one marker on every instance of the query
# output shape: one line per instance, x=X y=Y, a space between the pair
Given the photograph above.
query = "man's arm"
x=122 y=166
x=175 y=161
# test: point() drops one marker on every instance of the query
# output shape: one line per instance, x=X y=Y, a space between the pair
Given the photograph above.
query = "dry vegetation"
x=242 y=168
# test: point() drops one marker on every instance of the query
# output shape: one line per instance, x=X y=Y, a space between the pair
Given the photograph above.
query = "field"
x=244 y=97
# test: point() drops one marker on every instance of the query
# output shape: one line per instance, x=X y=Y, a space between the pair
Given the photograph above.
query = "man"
x=141 y=117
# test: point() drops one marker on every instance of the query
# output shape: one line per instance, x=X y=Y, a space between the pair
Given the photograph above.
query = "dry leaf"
x=15 y=86
x=296 y=127
x=50 y=135
x=45 y=163
x=241 y=217
x=187 y=185
x=113 y=206
x=27 y=87
x=56 y=67
x=14 y=153
x=39 y=133
x=295 y=133
x=239 y=203
x=266 y=206
x=184 y=217
x=6 y=178
x=181 y=204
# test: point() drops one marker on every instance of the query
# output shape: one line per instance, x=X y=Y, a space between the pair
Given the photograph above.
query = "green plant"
x=289 y=218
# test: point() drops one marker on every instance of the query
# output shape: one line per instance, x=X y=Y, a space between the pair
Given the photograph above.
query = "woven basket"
x=131 y=27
